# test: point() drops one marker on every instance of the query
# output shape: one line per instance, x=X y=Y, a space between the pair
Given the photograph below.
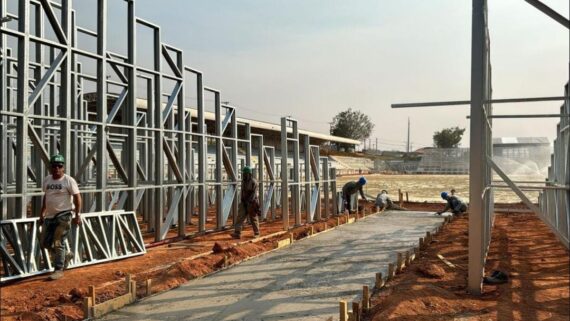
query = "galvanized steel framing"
x=148 y=155
x=555 y=196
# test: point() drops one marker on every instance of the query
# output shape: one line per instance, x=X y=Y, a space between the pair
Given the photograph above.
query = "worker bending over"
x=350 y=189
x=384 y=202
x=454 y=203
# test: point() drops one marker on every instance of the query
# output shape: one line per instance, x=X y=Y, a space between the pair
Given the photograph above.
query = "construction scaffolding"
x=555 y=191
x=150 y=160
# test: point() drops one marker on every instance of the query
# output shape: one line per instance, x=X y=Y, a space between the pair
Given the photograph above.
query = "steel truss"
x=100 y=238
x=139 y=145
x=554 y=197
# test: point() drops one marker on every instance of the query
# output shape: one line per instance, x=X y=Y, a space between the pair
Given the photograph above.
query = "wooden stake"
x=390 y=271
x=400 y=195
x=148 y=287
x=128 y=279
x=416 y=253
x=92 y=294
x=356 y=312
x=407 y=197
x=87 y=307
x=428 y=238
x=399 y=263
x=379 y=281
x=365 y=298
x=133 y=290
x=408 y=258
x=422 y=245
x=343 y=310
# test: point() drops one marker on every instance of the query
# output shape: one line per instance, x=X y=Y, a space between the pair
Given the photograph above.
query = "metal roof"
x=141 y=103
x=520 y=140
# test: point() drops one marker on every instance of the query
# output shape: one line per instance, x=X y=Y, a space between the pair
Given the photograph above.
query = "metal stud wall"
x=481 y=162
x=141 y=146
x=555 y=202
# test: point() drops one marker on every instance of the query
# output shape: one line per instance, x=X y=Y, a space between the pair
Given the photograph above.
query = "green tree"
x=352 y=124
x=448 y=137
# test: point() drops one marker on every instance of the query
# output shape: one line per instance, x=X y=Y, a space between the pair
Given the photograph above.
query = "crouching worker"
x=384 y=202
x=56 y=214
x=454 y=203
x=350 y=189
x=249 y=206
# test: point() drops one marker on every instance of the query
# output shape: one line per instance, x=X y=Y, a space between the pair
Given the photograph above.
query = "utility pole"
x=408 y=144
x=376 y=143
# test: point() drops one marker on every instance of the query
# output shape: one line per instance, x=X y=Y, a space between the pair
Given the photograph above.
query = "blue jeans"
x=54 y=235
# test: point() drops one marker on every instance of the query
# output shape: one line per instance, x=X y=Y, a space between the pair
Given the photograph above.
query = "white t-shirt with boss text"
x=59 y=194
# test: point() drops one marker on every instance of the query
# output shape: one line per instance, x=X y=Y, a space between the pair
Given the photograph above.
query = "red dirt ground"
x=172 y=264
x=168 y=266
x=522 y=246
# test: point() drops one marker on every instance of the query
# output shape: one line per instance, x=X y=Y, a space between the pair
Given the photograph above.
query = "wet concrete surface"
x=304 y=281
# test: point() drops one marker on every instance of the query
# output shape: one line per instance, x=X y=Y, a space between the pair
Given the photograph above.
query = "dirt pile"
x=431 y=271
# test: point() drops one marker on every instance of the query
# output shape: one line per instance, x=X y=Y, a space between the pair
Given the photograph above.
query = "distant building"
x=515 y=155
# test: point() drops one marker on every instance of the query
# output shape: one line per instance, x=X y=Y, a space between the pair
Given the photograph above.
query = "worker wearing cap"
x=56 y=213
x=384 y=202
x=351 y=188
x=454 y=203
x=249 y=205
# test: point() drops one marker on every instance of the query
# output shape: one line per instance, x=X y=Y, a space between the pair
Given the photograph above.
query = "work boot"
x=68 y=257
x=236 y=235
x=56 y=275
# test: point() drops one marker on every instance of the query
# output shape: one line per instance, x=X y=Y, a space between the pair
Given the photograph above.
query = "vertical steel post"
x=202 y=156
x=101 y=135
x=307 y=156
x=284 y=175
x=219 y=165
x=131 y=111
x=234 y=158
x=3 y=120
x=22 y=108
x=158 y=138
x=477 y=152
x=326 y=186
x=65 y=89
x=181 y=144
x=296 y=190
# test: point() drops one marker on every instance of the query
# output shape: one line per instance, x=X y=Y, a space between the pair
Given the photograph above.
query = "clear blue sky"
x=311 y=59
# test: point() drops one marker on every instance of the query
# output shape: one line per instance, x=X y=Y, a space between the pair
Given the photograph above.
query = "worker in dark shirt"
x=351 y=188
x=454 y=203
x=249 y=206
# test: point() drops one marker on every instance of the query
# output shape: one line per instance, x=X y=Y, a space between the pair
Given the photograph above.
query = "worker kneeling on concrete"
x=384 y=202
x=454 y=203
x=249 y=206
x=350 y=189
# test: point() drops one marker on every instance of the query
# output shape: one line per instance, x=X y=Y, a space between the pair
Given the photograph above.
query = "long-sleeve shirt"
x=249 y=190
x=352 y=188
x=454 y=203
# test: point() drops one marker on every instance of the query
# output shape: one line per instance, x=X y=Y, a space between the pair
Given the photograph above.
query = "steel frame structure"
x=151 y=159
x=100 y=238
x=555 y=202
x=554 y=197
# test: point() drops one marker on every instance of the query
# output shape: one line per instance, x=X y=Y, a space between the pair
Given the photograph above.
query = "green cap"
x=57 y=159
x=246 y=170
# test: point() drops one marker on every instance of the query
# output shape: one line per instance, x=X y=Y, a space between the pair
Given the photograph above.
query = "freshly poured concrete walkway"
x=304 y=281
